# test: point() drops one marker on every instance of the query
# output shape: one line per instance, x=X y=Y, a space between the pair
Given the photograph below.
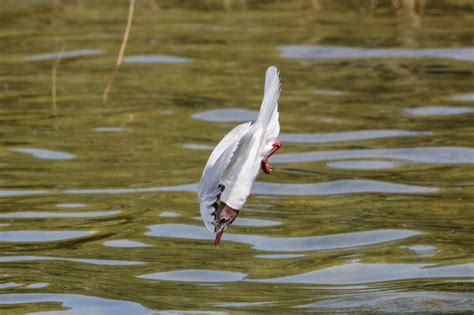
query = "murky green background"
x=378 y=216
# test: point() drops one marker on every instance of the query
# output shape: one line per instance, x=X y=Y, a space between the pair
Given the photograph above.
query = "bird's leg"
x=266 y=168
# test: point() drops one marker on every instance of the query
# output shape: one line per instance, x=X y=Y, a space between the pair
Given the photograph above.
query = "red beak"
x=218 y=237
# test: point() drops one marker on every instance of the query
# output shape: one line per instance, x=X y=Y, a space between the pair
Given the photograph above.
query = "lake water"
x=371 y=204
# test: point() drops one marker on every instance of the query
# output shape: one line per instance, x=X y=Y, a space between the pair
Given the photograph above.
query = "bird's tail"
x=270 y=96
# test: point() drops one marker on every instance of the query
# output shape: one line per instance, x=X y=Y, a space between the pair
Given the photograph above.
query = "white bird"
x=235 y=162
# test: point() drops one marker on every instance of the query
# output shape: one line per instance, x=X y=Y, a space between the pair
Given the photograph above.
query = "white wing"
x=245 y=164
x=268 y=116
x=209 y=186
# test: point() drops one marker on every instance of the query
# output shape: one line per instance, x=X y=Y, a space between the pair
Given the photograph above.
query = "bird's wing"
x=268 y=116
x=210 y=187
x=270 y=97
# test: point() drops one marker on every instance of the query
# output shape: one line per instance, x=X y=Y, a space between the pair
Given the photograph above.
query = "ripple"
x=331 y=137
x=250 y=222
x=103 y=262
x=439 y=110
x=308 y=243
x=398 y=302
x=358 y=273
x=348 y=186
x=348 y=136
x=203 y=26
x=437 y=155
x=193 y=146
x=193 y=312
x=169 y=214
x=8 y=285
x=45 y=154
x=65 y=54
x=17 y=192
x=362 y=165
x=125 y=243
x=37 y=285
x=70 y=205
x=340 y=52
x=196 y=275
x=227 y=115
x=280 y=256
x=41 y=236
x=108 y=129
x=464 y=97
x=155 y=59
x=255 y=222
x=50 y=214
x=241 y=304
x=76 y=304
x=329 y=93
x=422 y=250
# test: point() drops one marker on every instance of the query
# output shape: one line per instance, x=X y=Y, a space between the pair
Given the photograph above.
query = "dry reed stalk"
x=53 y=82
x=122 y=50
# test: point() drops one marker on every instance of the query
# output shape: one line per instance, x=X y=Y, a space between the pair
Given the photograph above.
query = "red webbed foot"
x=266 y=168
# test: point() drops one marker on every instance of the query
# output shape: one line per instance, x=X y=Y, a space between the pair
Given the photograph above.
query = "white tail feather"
x=270 y=96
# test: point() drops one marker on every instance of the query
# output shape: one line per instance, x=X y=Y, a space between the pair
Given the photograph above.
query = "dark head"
x=223 y=217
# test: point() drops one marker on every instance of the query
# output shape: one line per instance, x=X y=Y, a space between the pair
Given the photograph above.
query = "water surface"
x=369 y=207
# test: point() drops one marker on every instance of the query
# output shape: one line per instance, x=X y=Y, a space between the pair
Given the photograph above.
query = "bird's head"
x=223 y=217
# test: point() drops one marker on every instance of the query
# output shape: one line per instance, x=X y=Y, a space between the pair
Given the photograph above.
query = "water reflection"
x=280 y=256
x=308 y=243
x=45 y=154
x=464 y=97
x=348 y=135
x=41 y=236
x=240 y=304
x=125 y=243
x=193 y=312
x=329 y=93
x=109 y=129
x=338 y=52
x=193 y=146
x=155 y=59
x=169 y=214
x=103 y=262
x=65 y=54
x=422 y=250
x=349 y=186
x=196 y=275
x=11 y=192
x=251 y=222
x=358 y=273
x=76 y=304
x=227 y=115
x=361 y=165
x=438 y=155
x=37 y=285
x=70 y=205
x=398 y=302
x=49 y=214
x=7 y=285
x=439 y=110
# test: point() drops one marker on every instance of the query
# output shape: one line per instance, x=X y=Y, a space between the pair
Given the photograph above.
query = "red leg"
x=266 y=168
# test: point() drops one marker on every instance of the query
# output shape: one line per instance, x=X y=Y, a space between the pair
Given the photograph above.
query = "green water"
x=369 y=208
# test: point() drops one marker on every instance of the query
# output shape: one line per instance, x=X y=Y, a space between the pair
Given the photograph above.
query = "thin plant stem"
x=122 y=50
x=53 y=82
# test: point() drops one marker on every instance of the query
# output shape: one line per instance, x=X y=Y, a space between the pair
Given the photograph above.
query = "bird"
x=235 y=162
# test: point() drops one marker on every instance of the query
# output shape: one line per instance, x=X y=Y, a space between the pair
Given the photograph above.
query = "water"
x=369 y=208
